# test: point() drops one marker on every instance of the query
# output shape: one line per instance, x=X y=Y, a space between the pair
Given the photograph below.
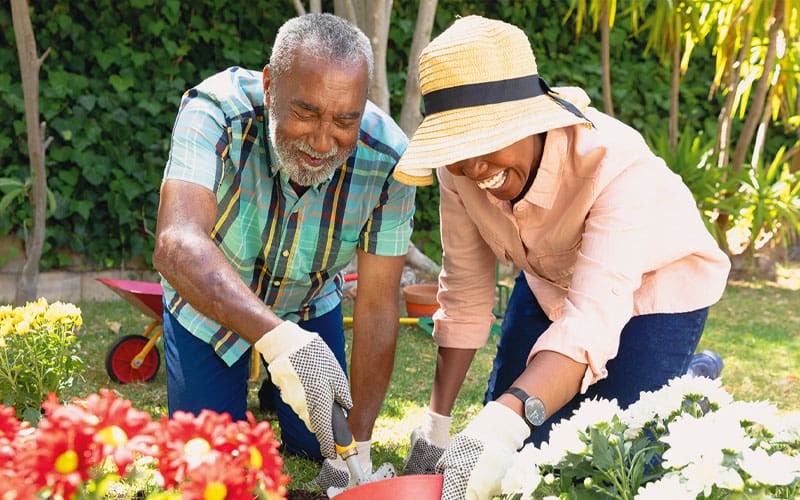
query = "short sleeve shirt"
x=290 y=250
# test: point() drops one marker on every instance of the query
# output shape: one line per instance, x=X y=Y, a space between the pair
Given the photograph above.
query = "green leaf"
x=87 y=102
x=121 y=84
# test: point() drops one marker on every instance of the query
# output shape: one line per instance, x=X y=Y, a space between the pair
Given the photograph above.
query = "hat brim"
x=451 y=136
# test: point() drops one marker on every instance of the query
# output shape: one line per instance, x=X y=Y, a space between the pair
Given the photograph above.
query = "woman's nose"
x=474 y=167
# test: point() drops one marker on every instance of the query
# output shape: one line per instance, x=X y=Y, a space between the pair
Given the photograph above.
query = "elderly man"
x=275 y=181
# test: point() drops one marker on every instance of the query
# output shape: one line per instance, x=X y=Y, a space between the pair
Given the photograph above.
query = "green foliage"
x=110 y=89
x=770 y=202
x=112 y=83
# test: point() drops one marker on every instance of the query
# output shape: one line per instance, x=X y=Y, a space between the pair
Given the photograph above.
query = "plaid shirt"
x=289 y=250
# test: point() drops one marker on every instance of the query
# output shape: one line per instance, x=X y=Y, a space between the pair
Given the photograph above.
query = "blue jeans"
x=653 y=349
x=198 y=379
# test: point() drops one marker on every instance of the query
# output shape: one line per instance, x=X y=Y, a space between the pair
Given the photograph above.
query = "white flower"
x=777 y=468
x=788 y=429
x=648 y=407
x=704 y=452
x=695 y=440
x=524 y=476
x=662 y=403
x=669 y=486
x=761 y=413
x=565 y=437
x=701 y=386
x=594 y=411
x=704 y=474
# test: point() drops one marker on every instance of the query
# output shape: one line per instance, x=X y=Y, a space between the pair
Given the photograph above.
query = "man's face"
x=315 y=112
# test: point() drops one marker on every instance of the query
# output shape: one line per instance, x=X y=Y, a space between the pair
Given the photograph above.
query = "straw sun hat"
x=481 y=92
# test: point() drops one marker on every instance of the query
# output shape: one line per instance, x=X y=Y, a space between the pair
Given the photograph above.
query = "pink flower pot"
x=413 y=487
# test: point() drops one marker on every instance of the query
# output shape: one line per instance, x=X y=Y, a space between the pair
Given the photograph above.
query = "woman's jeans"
x=653 y=349
x=198 y=379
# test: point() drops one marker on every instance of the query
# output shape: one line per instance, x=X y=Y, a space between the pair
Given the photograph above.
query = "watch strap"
x=518 y=393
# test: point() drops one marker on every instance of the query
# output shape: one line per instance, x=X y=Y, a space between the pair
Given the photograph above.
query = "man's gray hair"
x=323 y=35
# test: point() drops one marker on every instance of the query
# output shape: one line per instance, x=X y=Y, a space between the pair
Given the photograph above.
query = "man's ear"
x=266 y=81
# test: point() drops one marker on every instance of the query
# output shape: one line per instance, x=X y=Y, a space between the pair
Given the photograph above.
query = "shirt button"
x=285 y=253
x=276 y=283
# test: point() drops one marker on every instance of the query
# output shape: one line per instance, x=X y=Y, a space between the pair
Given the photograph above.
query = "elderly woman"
x=618 y=270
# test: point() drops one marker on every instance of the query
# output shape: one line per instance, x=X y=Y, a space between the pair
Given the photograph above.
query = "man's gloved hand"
x=477 y=458
x=334 y=473
x=308 y=376
x=428 y=442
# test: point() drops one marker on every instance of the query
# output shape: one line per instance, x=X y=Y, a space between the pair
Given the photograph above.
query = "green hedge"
x=111 y=86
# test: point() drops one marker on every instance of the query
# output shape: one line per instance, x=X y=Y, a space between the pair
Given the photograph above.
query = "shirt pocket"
x=557 y=266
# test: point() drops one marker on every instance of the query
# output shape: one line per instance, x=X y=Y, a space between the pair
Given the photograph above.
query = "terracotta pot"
x=421 y=299
x=415 y=487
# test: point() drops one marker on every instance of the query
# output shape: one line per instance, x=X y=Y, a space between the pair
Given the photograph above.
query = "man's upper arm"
x=186 y=206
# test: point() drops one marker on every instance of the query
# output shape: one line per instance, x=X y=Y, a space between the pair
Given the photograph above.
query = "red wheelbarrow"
x=135 y=358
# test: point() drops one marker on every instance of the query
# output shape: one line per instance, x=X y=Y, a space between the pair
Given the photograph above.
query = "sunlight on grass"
x=789 y=277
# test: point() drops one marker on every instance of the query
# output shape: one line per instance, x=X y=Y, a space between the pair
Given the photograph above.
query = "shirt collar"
x=545 y=186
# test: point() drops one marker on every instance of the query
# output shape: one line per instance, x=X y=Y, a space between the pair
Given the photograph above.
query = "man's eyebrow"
x=352 y=115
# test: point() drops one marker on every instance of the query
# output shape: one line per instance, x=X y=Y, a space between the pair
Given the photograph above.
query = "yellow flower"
x=215 y=490
x=60 y=312
x=67 y=462
x=22 y=327
x=113 y=435
x=256 y=459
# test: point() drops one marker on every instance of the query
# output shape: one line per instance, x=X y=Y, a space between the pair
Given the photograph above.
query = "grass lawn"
x=755 y=328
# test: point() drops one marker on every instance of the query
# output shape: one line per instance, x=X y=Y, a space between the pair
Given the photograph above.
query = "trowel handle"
x=342 y=436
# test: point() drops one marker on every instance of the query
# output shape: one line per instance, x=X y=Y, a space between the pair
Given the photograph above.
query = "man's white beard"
x=291 y=162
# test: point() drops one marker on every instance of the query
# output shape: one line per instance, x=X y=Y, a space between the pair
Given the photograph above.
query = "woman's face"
x=503 y=173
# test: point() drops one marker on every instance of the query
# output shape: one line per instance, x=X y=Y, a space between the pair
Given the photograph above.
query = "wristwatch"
x=534 y=410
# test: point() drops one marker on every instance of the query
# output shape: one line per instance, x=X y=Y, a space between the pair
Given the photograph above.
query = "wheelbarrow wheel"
x=120 y=357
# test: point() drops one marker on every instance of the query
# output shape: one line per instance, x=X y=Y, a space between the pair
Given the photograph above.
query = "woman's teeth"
x=493 y=182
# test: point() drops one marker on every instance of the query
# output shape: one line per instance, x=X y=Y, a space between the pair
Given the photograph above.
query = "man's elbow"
x=164 y=253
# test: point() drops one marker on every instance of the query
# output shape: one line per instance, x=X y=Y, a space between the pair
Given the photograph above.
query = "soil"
x=305 y=495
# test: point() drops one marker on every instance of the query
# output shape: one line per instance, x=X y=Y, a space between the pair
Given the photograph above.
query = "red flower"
x=121 y=431
x=220 y=478
x=13 y=487
x=10 y=429
x=264 y=460
x=188 y=442
x=73 y=439
x=63 y=450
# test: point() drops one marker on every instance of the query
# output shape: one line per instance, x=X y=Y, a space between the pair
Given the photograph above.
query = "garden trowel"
x=346 y=448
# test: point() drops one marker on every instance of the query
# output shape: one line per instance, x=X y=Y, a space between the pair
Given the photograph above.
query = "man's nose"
x=321 y=138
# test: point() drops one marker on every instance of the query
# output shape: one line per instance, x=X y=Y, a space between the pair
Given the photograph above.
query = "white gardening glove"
x=309 y=377
x=428 y=442
x=335 y=474
x=476 y=459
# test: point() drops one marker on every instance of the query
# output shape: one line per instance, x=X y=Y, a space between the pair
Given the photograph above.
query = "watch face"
x=535 y=412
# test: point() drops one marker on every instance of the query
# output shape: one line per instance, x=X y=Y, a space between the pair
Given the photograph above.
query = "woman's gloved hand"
x=476 y=459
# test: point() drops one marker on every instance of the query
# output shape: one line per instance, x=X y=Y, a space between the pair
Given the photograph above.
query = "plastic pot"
x=421 y=299
x=414 y=487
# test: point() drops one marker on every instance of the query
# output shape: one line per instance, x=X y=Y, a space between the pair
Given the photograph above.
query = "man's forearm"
x=451 y=368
